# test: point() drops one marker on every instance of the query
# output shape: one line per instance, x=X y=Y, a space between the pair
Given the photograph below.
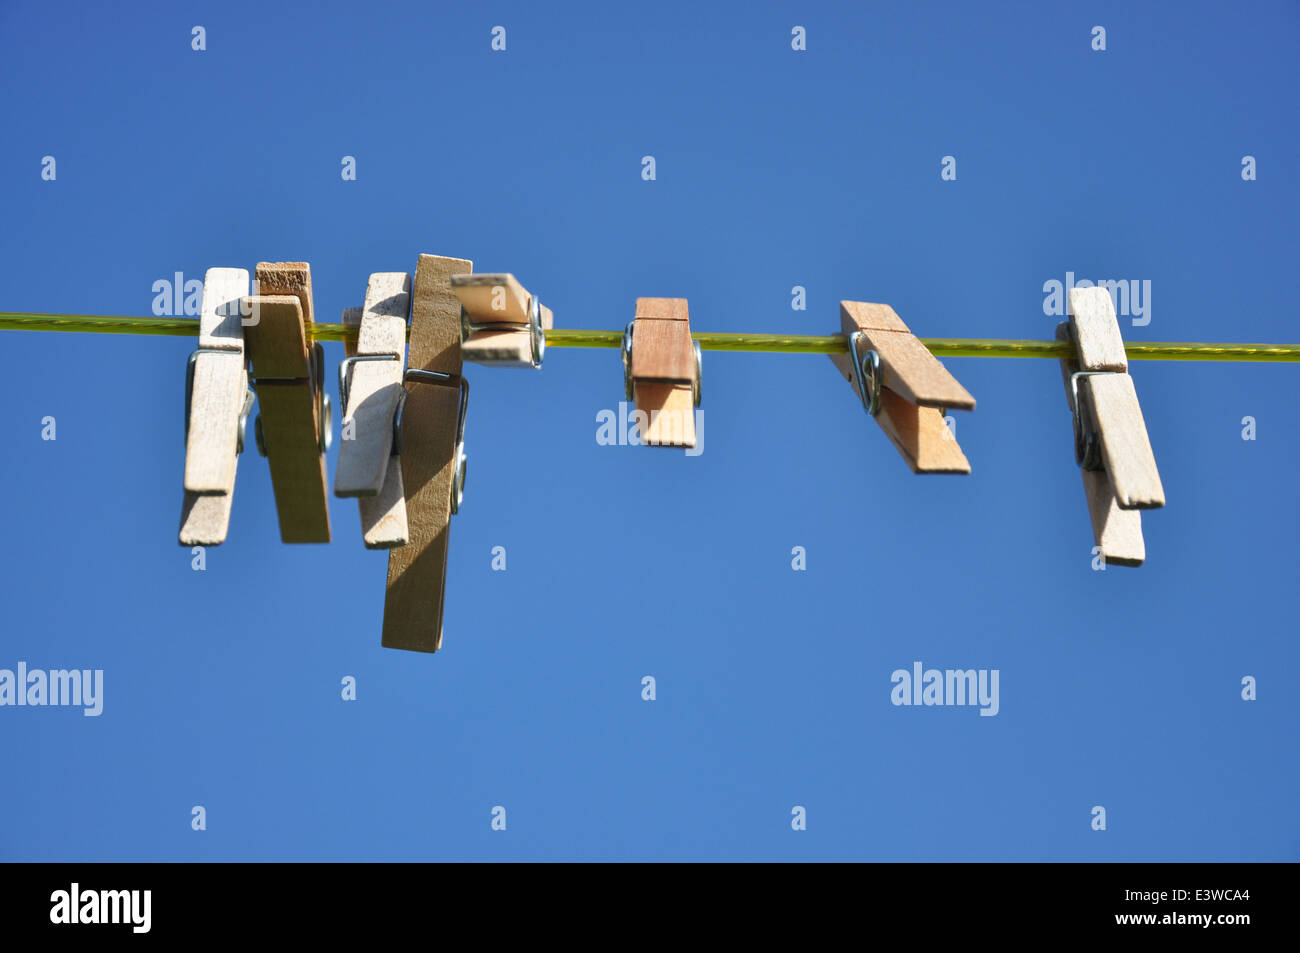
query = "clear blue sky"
x=775 y=168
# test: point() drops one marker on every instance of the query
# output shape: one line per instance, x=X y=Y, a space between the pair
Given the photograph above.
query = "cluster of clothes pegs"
x=405 y=400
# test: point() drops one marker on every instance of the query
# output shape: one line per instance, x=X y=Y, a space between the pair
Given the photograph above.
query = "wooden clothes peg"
x=370 y=389
x=433 y=461
x=1120 y=478
x=903 y=386
x=218 y=401
x=662 y=372
x=501 y=323
x=293 y=422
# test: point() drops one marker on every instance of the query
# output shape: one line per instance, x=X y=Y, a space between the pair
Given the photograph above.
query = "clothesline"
x=708 y=341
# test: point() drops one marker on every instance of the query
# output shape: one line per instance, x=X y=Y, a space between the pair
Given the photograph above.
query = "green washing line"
x=708 y=341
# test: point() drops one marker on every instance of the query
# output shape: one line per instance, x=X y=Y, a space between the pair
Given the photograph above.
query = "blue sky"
x=775 y=168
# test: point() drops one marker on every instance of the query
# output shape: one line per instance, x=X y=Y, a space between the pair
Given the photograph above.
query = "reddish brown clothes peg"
x=903 y=386
x=662 y=372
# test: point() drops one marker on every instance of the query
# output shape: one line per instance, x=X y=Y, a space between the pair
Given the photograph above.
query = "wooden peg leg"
x=1117 y=532
x=1125 y=446
x=920 y=435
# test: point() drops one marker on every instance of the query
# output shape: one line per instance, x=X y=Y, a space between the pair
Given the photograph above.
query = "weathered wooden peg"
x=1111 y=445
x=370 y=390
x=433 y=461
x=217 y=404
x=293 y=425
